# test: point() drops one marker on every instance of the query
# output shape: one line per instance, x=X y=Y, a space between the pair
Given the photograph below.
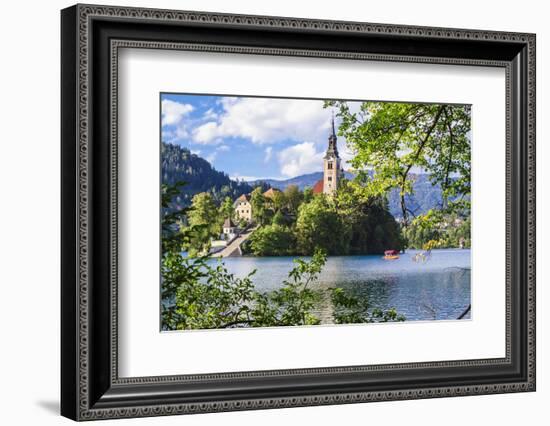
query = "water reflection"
x=436 y=290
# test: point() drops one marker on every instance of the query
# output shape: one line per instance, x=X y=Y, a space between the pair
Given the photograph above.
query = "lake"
x=438 y=289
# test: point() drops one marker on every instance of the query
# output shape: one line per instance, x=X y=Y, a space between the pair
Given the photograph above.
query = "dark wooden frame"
x=90 y=386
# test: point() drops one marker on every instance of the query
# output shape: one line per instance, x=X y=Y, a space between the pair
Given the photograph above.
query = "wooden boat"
x=391 y=255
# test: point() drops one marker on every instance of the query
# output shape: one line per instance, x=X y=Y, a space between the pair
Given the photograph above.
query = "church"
x=332 y=176
x=332 y=168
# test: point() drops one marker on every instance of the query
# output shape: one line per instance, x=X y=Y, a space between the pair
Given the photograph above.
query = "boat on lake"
x=391 y=255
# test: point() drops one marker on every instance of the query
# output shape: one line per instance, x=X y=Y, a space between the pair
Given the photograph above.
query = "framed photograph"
x=263 y=212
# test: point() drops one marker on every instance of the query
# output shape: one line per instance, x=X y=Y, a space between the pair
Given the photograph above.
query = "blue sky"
x=251 y=138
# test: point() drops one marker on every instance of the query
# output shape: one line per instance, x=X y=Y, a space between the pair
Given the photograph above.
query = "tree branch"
x=415 y=159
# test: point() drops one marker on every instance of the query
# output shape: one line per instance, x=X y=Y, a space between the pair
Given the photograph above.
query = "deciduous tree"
x=393 y=140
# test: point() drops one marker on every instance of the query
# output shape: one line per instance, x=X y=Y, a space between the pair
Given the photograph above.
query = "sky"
x=250 y=137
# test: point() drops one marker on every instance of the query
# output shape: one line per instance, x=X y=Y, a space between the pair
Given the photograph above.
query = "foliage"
x=294 y=198
x=308 y=195
x=273 y=240
x=243 y=223
x=438 y=229
x=293 y=302
x=211 y=297
x=174 y=236
x=394 y=139
x=279 y=219
x=373 y=228
x=226 y=209
x=204 y=218
x=259 y=206
x=279 y=201
x=349 y=309
x=320 y=225
x=172 y=240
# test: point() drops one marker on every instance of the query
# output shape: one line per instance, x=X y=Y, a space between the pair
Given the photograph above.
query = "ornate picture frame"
x=91 y=37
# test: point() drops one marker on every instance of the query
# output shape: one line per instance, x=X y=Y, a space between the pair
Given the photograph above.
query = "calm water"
x=437 y=289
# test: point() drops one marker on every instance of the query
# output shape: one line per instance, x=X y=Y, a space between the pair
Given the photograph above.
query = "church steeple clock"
x=332 y=168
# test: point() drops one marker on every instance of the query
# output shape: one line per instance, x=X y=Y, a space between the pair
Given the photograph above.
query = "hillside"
x=179 y=164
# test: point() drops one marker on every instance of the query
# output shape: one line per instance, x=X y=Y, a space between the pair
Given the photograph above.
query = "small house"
x=229 y=229
x=243 y=208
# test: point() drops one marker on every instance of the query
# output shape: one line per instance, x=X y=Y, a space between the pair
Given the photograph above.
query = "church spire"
x=331 y=164
x=332 y=150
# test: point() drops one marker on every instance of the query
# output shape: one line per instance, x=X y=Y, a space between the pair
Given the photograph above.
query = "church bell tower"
x=332 y=171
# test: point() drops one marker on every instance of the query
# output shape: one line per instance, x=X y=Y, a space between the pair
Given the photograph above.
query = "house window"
x=330 y=178
x=329 y=166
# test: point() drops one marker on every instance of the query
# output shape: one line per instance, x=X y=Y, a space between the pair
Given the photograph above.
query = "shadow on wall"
x=50 y=406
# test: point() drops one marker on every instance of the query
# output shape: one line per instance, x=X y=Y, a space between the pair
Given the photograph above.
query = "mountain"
x=301 y=182
x=179 y=164
x=425 y=197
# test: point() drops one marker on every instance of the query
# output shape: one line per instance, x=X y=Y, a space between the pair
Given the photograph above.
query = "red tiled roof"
x=270 y=192
x=318 y=187
x=243 y=197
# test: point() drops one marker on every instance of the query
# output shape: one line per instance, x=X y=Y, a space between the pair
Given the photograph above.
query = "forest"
x=178 y=164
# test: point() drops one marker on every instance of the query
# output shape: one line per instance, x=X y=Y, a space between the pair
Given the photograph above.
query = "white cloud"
x=300 y=159
x=268 y=154
x=222 y=148
x=173 y=112
x=267 y=121
x=346 y=154
x=210 y=115
x=206 y=133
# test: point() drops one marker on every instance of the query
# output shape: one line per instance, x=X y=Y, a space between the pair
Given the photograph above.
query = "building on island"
x=332 y=168
x=270 y=193
x=332 y=176
x=243 y=208
x=229 y=227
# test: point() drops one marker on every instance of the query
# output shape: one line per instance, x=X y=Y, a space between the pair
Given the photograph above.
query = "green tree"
x=203 y=216
x=272 y=240
x=319 y=225
x=294 y=198
x=279 y=219
x=279 y=201
x=226 y=209
x=373 y=228
x=395 y=139
x=211 y=297
x=308 y=195
x=438 y=229
x=259 y=208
